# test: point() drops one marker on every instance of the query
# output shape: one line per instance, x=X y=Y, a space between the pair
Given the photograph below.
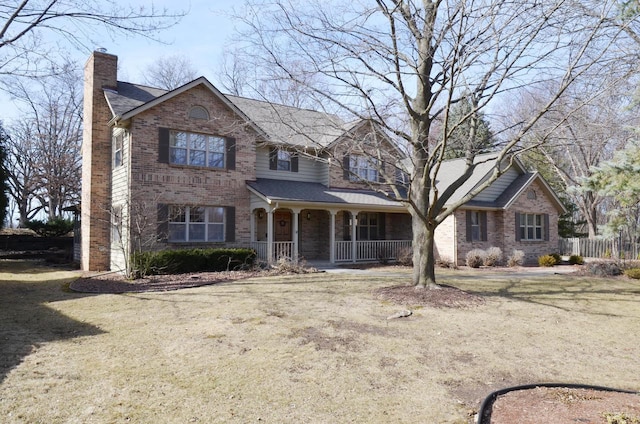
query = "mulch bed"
x=116 y=283
x=443 y=297
x=564 y=405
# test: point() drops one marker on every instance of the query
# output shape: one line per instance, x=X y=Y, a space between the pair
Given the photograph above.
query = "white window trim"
x=363 y=168
x=284 y=158
x=477 y=226
x=186 y=223
x=524 y=227
x=189 y=149
x=118 y=160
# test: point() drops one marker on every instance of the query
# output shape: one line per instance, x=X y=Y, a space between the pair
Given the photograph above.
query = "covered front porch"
x=308 y=221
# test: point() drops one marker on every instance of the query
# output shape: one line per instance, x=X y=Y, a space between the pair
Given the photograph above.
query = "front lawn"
x=313 y=348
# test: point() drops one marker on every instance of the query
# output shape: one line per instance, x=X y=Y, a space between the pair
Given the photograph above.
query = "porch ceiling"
x=320 y=196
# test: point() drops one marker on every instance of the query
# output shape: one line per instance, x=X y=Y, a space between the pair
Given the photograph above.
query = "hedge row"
x=192 y=260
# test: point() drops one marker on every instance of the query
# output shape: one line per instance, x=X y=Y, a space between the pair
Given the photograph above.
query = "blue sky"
x=201 y=36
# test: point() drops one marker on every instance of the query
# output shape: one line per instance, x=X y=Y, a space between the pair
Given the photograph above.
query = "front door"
x=282 y=224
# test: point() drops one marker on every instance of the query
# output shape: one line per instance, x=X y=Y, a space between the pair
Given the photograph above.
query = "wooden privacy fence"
x=599 y=248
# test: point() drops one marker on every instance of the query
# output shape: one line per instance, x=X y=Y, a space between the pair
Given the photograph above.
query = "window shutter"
x=483 y=225
x=163 y=145
x=517 y=225
x=163 y=222
x=546 y=226
x=273 y=158
x=231 y=153
x=469 y=231
x=346 y=163
x=230 y=212
x=294 y=162
x=382 y=226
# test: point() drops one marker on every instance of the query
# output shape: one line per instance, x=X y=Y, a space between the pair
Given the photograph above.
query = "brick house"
x=192 y=167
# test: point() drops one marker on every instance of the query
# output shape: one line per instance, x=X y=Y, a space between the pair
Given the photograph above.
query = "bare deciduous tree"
x=403 y=63
x=29 y=29
x=583 y=131
x=22 y=169
x=45 y=147
x=170 y=72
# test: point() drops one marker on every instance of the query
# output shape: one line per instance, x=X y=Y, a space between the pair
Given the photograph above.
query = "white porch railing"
x=281 y=249
x=374 y=250
x=371 y=250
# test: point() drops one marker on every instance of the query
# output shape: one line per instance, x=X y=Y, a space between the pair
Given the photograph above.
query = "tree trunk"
x=424 y=273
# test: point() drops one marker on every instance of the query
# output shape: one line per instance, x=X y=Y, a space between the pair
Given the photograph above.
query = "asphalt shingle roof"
x=282 y=124
x=294 y=191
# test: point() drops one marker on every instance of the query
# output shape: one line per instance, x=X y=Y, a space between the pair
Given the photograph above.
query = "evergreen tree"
x=467 y=130
x=618 y=179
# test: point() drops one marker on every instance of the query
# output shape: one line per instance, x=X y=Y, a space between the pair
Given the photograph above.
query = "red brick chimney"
x=100 y=72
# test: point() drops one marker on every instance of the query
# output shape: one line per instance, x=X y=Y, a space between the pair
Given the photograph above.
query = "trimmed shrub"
x=557 y=257
x=191 y=260
x=493 y=256
x=576 y=260
x=633 y=273
x=516 y=258
x=546 y=260
x=475 y=258
x=55 y=227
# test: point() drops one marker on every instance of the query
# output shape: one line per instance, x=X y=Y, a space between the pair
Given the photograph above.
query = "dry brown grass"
x=313 y=348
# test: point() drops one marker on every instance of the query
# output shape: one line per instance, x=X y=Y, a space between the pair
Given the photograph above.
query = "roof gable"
x=276 y=123
x=451 y=170
x=135 y=99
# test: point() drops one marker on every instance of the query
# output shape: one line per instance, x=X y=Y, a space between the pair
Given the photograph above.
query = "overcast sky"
x=201 y=36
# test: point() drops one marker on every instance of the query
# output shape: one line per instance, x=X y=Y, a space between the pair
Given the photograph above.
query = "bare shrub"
x=288 y=266
x=493 y=256
x=605 y=269
x=475 y=258
x=516 y=258
x=445 y=262
x=405 y=256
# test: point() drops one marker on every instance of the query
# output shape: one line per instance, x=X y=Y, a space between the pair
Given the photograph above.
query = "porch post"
x=332 y=237
x=270 y=236
x=294 y=235
x=252 y=226
x=354 y=224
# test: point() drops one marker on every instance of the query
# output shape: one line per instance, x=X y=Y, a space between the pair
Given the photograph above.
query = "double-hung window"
x=118 y=142
x=363 y=168
x=370 y=226
x=531 y=226
x=476 y=226
x=186 y=148
x=283 y=160
x=196 y=224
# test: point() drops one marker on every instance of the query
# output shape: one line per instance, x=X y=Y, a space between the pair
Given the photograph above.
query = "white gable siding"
x=491 y=193
x=309 y=170
x=119 y=196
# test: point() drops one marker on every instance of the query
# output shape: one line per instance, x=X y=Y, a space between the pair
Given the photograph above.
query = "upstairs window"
x=363 y=168
x=283 y=160
x=195 y=149
x=199 y=112
x=118 y=142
